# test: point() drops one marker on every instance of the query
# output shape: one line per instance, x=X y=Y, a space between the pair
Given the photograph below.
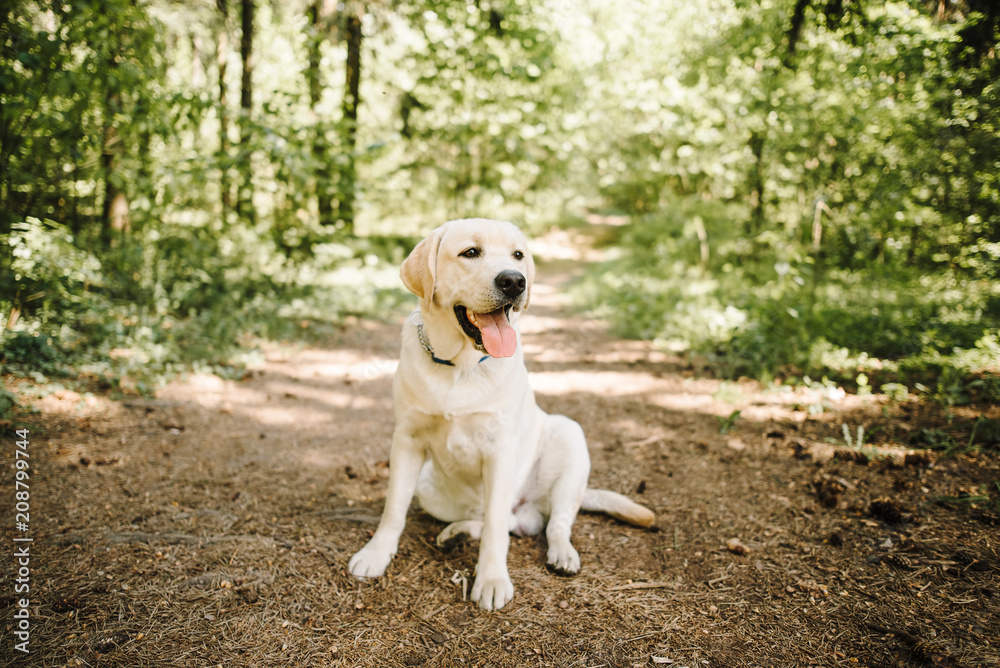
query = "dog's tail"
x=618 y=506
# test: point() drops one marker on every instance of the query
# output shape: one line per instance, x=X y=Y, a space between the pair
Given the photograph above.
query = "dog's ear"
x=419 y=268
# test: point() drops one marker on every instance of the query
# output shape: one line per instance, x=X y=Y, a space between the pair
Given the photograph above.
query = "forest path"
x=213 y=524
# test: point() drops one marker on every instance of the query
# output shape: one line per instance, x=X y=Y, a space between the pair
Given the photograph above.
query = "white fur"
x=470 y=443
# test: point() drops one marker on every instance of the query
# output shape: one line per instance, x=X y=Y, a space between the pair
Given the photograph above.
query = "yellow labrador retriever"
x=469 y=440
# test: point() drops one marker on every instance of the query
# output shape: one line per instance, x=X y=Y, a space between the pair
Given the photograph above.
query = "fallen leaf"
x=736 y=547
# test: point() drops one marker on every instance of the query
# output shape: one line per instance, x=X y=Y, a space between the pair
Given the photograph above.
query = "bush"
x=24 y=352
x=171 y=298
x=766 y=313
x=8 y=403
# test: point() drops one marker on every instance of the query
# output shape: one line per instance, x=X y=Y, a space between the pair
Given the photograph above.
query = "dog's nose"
x=511 y=283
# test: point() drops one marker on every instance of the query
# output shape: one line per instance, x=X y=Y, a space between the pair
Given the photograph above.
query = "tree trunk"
x=756 y=184
x=244 y=203
x=114 y=209
x=320 y=12
x=352 y=100
x=222 y=63
x=795 y=30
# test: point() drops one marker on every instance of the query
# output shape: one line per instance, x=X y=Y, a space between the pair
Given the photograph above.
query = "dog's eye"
x=471 y=253
x=518 y=255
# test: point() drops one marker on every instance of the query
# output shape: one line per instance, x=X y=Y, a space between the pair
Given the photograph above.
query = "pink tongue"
x=499 y=338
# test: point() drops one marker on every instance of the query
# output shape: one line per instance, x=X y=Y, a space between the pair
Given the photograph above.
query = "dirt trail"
x=213 y=524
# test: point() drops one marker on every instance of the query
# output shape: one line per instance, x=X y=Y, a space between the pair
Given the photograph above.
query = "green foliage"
x=769 y=316
x=93 y=106
x=145 y=312
x=71 y=71
x=858 y=441
x=726 y=424
x=896 y=392
x=479 y=104
x=810 y=192
x=830 y=208
x=23 y=352
x=8 y=404
x=963 y=438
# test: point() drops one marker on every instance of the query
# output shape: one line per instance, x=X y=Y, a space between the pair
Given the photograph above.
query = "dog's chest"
x=466 y=439
x=462 y=400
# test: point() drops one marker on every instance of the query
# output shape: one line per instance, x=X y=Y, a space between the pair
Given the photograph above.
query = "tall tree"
x=222 y=65
x=114 y=208
x=244 y=203
x=320 y=14
x=26 y=84
x=757 y=182
x=352 y=99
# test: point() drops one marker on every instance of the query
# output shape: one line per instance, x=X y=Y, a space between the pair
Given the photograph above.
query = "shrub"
x=767 y=313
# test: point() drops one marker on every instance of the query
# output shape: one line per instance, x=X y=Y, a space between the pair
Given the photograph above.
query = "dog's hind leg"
x=456 y=531
x=565 y=440
x=526 y=520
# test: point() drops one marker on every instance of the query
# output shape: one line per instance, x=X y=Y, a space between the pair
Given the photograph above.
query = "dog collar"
x=426 y=345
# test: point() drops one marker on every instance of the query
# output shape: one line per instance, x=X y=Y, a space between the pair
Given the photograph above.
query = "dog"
x=470 y=442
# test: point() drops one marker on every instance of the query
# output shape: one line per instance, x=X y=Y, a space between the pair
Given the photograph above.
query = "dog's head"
x=478 y=270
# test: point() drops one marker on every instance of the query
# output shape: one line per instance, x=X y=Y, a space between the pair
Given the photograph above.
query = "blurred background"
x=798 y=187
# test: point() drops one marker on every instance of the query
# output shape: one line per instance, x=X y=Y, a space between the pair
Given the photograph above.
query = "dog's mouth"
x=491 y=332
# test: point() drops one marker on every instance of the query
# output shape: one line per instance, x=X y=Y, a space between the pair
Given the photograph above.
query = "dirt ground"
x=212 y=525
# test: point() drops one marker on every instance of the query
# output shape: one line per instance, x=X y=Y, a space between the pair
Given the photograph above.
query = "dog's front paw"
x=492 y=593
x=564 y=560
x=369 y=562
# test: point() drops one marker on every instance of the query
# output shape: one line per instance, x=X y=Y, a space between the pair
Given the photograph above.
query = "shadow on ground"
x=212 y=526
